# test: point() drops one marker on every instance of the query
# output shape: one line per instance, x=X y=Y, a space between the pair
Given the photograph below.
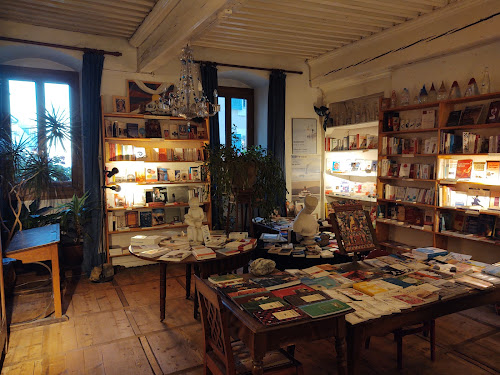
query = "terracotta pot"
x=73 y=254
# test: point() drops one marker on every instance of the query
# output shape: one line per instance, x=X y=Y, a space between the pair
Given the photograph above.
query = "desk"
x=357 y=334
x=36 y=245
x=260 y=338
x=202 y=269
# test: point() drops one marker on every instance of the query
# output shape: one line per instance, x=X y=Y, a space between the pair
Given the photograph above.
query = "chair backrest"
x=376 y=253
x=214 y=319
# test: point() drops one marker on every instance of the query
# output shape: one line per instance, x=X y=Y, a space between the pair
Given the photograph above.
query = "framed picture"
x=304 y=135
x=493 y=113
x=137 y=97
x=121 y=104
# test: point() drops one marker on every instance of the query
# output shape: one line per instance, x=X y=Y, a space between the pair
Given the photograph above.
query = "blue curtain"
x=208 y=72
x=91 y=135
x=276 y=116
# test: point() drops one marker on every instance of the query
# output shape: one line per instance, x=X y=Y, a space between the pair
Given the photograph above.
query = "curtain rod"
x=82 y=49
x=250 y=67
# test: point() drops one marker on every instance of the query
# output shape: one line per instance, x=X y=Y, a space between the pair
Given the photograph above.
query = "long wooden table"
x=261 y=339
x=202 y=269
x=37 y=245
x=357 y=334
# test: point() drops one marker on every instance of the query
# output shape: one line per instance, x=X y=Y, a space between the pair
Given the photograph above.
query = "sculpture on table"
x=305 y=223
x=194 y=220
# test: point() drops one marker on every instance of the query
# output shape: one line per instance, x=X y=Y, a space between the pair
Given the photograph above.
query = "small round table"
x=202 y=268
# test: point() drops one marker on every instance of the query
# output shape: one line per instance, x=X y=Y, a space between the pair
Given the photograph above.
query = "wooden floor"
x=114 y=328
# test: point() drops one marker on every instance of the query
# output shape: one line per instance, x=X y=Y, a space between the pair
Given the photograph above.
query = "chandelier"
x=189 y=101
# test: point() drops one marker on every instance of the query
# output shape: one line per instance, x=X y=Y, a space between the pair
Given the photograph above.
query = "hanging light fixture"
x=188 y=101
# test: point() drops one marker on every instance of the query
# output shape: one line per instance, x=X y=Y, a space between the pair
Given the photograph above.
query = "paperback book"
x=325 y=308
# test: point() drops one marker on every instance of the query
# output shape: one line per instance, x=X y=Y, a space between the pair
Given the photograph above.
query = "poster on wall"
x=304 y=136
x=306 y=177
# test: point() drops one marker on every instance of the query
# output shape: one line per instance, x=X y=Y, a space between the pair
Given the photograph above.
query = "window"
x=236 y=116
x=37 y=100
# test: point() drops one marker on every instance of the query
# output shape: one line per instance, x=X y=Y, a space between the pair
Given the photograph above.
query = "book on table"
x=279 y=315
x=262 y=303
x=321 y=283
x=306 y=298
x=224 y=280
x=277 y=280
x=202 y=252
x=175 y=255
x=294 y=289
x=240 y=289
x=325 y=308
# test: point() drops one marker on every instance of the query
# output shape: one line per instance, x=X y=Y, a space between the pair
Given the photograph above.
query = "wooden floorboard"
x=114 y=328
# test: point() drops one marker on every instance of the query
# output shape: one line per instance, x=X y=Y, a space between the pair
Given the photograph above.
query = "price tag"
x=280 y=315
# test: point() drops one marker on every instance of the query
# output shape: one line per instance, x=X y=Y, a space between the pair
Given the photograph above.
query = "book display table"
x=261 y=339
x=37 y=245
x=202 y=268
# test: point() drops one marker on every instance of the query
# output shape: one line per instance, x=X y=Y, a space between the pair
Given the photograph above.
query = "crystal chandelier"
x=187 y=101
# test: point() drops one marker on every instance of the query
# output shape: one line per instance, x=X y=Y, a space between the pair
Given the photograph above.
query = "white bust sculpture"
x=305 y=223
x=194 y=220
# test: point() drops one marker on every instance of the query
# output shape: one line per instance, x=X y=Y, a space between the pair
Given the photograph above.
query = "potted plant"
x=74 y=215
x=254 y=171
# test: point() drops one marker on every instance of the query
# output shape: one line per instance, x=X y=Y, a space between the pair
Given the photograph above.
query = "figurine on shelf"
x=422 y=98
x=305 y=223
x=194 y=220
x=432 y=96
x=442 y=93
x=485 y=83
x=405 y=97
x=394 y=99
x=455 y=91
x=472 y=89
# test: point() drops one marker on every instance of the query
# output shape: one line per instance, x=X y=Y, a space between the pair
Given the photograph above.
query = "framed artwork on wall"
x=304 y=136
x=121 y=104
x=137 y=96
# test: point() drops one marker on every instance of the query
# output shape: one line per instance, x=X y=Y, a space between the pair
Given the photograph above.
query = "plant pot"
x=72 y=254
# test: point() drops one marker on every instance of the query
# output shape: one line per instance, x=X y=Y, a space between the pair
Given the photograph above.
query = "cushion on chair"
x=243 y=360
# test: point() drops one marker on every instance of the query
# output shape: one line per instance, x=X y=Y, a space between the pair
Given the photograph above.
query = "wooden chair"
x=426 y=327
x=224 y=357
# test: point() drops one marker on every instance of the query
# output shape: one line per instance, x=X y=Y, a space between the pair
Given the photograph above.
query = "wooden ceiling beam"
x=236 y=47
x=61 y=26
x=398 y=4
x=295 y=11
x=187 y=21
x=297 y=29
x=300 y=25
x=283 y=34
x=68 y=20
x=374 y=8
x=40 y=9
x=269 y=41
x=298 y=6
x=320 y=20
x=97 y=5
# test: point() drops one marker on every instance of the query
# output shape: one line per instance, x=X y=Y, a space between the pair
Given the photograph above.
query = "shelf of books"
x=439 y=166
x=351 y=164
x=156 y=166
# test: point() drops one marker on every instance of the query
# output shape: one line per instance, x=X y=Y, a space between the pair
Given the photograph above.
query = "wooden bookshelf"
x=386 y=227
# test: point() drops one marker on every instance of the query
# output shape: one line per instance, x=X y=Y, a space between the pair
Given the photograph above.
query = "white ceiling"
x=300 y=28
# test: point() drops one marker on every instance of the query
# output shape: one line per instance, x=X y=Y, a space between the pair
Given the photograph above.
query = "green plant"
x=252 y=170
x=74 y=215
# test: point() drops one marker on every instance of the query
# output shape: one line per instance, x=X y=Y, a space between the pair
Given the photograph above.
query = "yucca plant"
x=74 y=215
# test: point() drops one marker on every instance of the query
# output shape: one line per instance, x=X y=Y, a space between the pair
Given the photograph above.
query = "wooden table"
x=357 y=334
x=202 y=269
x=261 y=339
x=37 y=245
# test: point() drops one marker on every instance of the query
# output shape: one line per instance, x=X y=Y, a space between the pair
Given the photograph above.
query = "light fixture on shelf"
x=188 y=101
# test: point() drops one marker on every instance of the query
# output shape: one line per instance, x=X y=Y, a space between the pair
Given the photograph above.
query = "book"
x=224 y=280
x=492 y=270
x=428 y=118
x=471 y=115
x=132 y=130
x=321 y=283
x=494 y=200
x=165 y=131
x=294 y=289
x=305 y=298
x=146 y=219
x=243 y=289
x=473 y=282
x=153 y=129
x=153 y=253
x=354 y=294
x=493 y=115
x=175 y=255
x=464 y=168
x=479 y=170
x=478 y=198
x=492 y=170
x=279 y=315
x=202 y=252
x=325 y=308
x=277 y=280
x=132 y=219
x=183 y=131
x=158 y=216
x=263 y=303
x=454 y=118
x=227 y=251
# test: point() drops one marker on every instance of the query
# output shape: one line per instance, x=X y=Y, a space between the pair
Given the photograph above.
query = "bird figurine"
x=323 y=112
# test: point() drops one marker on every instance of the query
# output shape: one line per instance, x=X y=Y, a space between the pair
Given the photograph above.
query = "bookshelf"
x=160 y=166
x=350 y=164
x=455 y=176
